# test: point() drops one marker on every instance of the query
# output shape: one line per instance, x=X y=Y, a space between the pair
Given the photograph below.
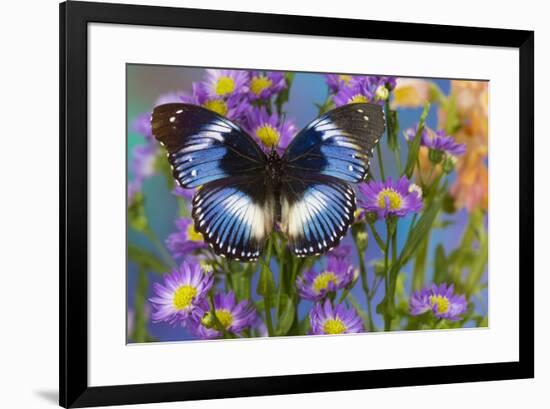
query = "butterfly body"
x=244 y=194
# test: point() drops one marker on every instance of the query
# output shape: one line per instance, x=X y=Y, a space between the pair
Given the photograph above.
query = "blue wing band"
x=204 y=146
x=234 y=216
x=316 y=212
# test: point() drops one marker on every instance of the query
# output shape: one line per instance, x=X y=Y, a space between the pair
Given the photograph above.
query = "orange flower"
x=410 y=93
x=471 y=104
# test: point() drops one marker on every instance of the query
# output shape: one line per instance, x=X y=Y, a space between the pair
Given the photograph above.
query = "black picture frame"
x=73 y=352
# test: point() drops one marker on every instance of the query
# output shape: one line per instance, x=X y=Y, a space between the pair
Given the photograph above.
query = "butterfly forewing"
x=338 y=143
x=203 y=146
x=235 y=216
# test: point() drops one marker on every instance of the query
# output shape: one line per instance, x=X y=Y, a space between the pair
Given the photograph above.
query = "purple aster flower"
x=233 y=316
x=186 y=239
x=270 y=130
x=355 y=92
x=265 y=85
x=340 y=252
x=440 y=300
x=325 y=319
x=186 y=194
x=182 y=294
x=233 y=108
x=225 y=83
x=134 y=186
x=337 y=81
x=366 y=88
x=142 y=125
x=143 y=161
x=436 y=140
x=397 y=198
x=439 y=141
x=315 y=286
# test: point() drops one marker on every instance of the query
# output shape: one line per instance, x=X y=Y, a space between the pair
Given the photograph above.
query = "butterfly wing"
x=235 y=216
x=317 y=202
x=338 y=143
x=316 y=211
x=206 y=151
x=203 y=146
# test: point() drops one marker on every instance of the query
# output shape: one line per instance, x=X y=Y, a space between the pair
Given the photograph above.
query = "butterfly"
x=243 y=193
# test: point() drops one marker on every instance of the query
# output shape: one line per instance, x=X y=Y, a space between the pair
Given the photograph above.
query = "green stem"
x=267 y=303
x=364 y=284
x=387 y=316
x=377 y=237
x=268 y=322
x=140 y=325
x=390 y=131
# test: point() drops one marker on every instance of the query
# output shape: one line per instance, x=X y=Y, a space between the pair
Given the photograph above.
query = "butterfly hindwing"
x=204 y=146
x=316 y=212
x=338 y=143
x=234 y=216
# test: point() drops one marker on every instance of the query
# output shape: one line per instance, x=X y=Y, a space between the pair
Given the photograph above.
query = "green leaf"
x=478 y=266
x=140 y=324
x=452 y=122
x=325 y=106
x=440 y=265
x=266 y=285
x=287 y=317
x=146 y=260
x=137 y=218
x=282 y=97
x=420 y=264
x=393 y=129
x=414 y=145
x=420 y=231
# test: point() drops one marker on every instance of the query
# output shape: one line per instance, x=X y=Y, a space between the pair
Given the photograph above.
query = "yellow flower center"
x=192 y=234
x=216 y=105
x=358 y=98
x=442 y=303
x=183 y=296
x=393 y=196
x=345 y=79
x=224 y=317
x=225 y=86
x=268 y=135
x=258 y=84
x=334 y=326
x=322 y=281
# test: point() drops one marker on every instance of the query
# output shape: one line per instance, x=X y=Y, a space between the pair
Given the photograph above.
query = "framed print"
x=259 y=204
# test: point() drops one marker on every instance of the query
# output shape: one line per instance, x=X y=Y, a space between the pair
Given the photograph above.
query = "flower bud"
x=435 y=156
x=449 y=164
x=382 y=93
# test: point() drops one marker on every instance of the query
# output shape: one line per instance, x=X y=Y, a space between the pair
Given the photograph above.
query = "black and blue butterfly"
x=242 y=192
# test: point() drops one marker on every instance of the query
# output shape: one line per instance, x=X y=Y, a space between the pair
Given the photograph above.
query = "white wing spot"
x=360 y=111
x=179 y=111
x=172 y=119
x=366 y=118
x=194 y=172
